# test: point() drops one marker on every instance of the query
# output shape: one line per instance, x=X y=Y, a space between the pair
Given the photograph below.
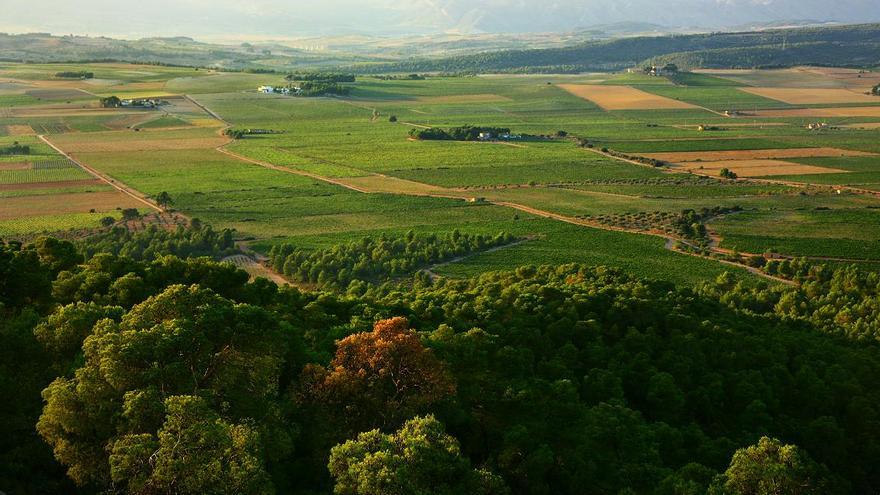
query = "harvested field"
x=27 y=206
x=143 y=145
x=821 y=112
x=866 y=125
x=623 y=97
x=20 y=130
x=39 y=112
x=128 y=121
x=771 y=154
x=756 y=168
x=15 y=166
x=50 y=185
x=57 y=94
x=813 y=96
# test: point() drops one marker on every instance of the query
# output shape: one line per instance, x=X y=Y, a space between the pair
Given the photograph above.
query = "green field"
x=355 y=140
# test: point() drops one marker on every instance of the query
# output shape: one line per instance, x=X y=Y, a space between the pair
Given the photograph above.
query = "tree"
x=57 y=255
x=110 y=102
x=419 y=458
x=727 y=174
x=163 y=199
x=876 y=90
x=184 y=341
x=130 y=214
x=108 y=221
x=771 y=468
x=195 y=452
x=378 y=379
x=393 y=118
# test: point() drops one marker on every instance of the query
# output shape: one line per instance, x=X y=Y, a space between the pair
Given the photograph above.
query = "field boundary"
x=124 y=189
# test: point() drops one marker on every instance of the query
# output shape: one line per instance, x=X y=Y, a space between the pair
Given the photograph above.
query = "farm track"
x=434 y=276
x=277 y=168
x=123 y=188
x=670 y=241
x=207 y=110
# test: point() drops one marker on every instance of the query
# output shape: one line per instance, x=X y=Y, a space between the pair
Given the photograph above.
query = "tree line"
x=15 y=148
x=181 y=376
x=335 y=77
x=154 y=242
x=75 y=74
x=462 y=133
x=378 y=260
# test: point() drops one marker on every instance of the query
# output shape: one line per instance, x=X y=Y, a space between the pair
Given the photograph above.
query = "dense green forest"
x=174 y=375
x=839 y=45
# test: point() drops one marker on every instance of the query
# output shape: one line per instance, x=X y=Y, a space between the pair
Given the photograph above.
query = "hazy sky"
x=217 y=18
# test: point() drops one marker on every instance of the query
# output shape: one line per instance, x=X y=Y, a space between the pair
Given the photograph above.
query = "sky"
x=290 y=18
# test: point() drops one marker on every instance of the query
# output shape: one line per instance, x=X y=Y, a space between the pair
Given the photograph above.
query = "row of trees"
x=321 y=88
x=154 y=242
x=15 y=148
x=180 y=376
x=463 y=133
x=379 y=259
x=327 y=77
x=75 y=74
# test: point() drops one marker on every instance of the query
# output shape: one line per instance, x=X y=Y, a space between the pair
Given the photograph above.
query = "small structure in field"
x=486 y=136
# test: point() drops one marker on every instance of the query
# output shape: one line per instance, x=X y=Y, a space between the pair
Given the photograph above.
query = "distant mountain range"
x=217 y=19
x=596 y=50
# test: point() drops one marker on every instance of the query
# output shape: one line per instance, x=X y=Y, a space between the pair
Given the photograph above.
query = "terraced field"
x=335 y=169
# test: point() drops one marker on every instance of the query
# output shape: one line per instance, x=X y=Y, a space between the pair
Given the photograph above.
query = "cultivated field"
x=755 y=168
x=758 y=154
x=622 y=97
x=812 y=96
x=335 y=169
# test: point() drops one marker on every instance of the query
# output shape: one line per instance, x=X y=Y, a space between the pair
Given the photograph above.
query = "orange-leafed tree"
x=377 y=379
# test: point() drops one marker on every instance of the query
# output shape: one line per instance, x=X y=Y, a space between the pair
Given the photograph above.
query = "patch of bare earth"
x=756 y=168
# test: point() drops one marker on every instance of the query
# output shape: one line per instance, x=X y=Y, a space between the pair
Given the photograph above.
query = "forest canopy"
x=179 y=375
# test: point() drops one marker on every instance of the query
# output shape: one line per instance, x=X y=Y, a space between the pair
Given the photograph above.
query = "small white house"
x=266 y=89
x=485 y=136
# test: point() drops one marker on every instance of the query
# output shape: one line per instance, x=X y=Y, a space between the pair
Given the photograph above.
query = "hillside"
x=838 y=45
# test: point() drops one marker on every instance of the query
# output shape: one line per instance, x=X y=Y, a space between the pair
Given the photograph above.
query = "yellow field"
x=20 y=130
x=770 y=154
x=865 y=125
x=756 y=168
x=623 y=97
x=813 y=96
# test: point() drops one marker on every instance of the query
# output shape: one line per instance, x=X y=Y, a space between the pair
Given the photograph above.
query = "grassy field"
x=295 y=193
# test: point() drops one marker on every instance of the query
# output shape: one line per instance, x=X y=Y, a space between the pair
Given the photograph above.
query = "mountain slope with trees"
x=838 y=45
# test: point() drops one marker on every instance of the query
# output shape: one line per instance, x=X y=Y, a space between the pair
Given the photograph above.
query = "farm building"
x=280 y=90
